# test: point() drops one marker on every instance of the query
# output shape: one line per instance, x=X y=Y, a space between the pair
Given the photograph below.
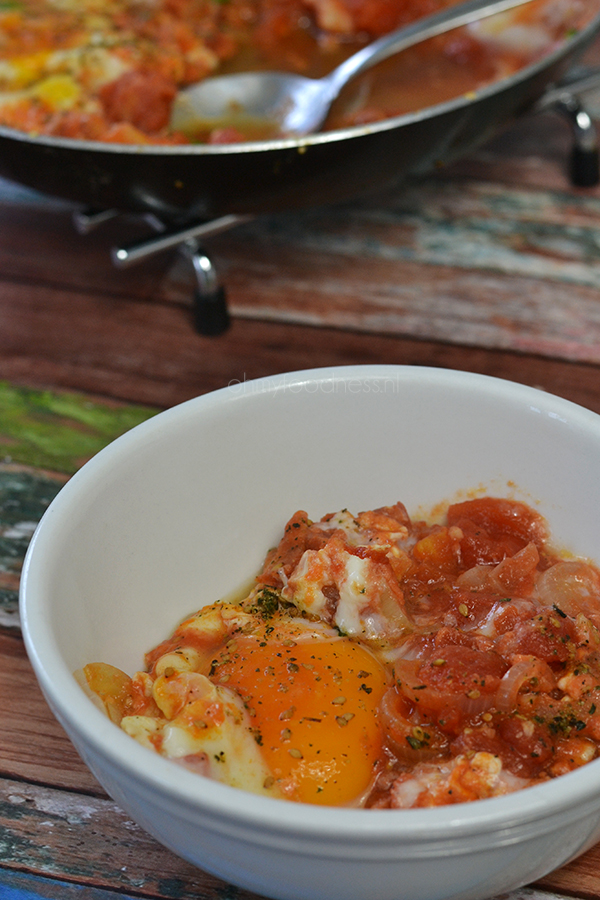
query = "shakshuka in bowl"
x=334 y=634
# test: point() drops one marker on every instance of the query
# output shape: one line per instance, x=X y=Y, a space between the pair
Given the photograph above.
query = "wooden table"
x=491 y=266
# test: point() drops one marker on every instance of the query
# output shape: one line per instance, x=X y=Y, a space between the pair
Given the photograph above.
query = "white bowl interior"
x=182 y=510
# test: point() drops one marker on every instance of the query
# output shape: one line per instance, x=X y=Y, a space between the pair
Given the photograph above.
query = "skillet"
x=187 y=183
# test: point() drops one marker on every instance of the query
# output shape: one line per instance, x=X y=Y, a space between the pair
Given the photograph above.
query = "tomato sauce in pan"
x=109 y=70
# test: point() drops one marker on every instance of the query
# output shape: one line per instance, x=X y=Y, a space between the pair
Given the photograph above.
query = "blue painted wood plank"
x=20 y=886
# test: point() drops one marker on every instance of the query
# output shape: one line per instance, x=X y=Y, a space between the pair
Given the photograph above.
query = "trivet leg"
x=211 y=316
x=584 y=165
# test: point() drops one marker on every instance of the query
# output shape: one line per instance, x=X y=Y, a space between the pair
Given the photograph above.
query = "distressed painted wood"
x=18 y=886
x=91 y=841
x=59 y=431
x=24 y=497
x=96 y=842
x=460 y=260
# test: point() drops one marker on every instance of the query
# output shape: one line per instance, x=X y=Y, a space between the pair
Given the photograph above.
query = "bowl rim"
x=229 y=806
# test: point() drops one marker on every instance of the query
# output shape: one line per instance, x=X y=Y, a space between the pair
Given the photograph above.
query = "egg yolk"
x=313 y=705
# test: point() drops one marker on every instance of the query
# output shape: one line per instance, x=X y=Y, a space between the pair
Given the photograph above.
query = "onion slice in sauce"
x=528 y=670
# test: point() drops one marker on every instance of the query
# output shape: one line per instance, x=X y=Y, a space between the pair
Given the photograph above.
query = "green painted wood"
x=59 y=431
x=45 y=436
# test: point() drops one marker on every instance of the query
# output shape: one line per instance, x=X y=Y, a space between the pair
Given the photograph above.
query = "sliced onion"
x=506 y=576
x=573 y=586
x=524 y=609
x=510 y=574
x=476 y=578
x=521 y=673
x=411 y=742
x=414 y=647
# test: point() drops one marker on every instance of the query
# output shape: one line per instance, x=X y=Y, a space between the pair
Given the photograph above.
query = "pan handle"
x=211 y=316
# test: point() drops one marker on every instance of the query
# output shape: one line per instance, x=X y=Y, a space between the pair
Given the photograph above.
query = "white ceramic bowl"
x=181 y=510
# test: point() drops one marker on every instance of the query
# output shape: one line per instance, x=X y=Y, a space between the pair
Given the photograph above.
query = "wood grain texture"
x=59 y=431
x=148 y=353
x=91 y=841
x=114 y=344
x=24 y=497
x=580 y=878
x=33 y=746
x=21 y=886
x=467 y=262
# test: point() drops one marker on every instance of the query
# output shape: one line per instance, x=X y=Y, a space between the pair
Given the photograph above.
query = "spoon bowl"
x=285 y=104
x=264 y=103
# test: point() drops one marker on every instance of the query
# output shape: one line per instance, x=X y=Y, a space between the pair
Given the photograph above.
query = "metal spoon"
x=296 y=105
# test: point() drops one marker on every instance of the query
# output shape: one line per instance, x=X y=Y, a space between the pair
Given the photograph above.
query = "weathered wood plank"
x=24 y=497
x=33 y=746
x=19 y=886
x=478 y=282
x=39 y=243
x=59 y=431
x=149 y=354
x=580 y=878
x=469 y=263
x=91 y=841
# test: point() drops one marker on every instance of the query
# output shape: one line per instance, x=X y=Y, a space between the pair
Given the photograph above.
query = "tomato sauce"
x=385 y=662
x=494 y=685
x=109 y=70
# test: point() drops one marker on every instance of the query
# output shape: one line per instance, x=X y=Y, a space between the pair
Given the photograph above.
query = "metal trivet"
x=211 y=316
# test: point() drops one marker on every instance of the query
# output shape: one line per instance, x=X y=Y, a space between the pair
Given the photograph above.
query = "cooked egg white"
x=349 y=591
x=207 y=727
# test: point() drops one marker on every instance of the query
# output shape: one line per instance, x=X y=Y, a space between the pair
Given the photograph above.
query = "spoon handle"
x=401 y=39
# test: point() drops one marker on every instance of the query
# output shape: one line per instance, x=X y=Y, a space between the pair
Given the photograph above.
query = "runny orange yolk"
x=314 y=707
